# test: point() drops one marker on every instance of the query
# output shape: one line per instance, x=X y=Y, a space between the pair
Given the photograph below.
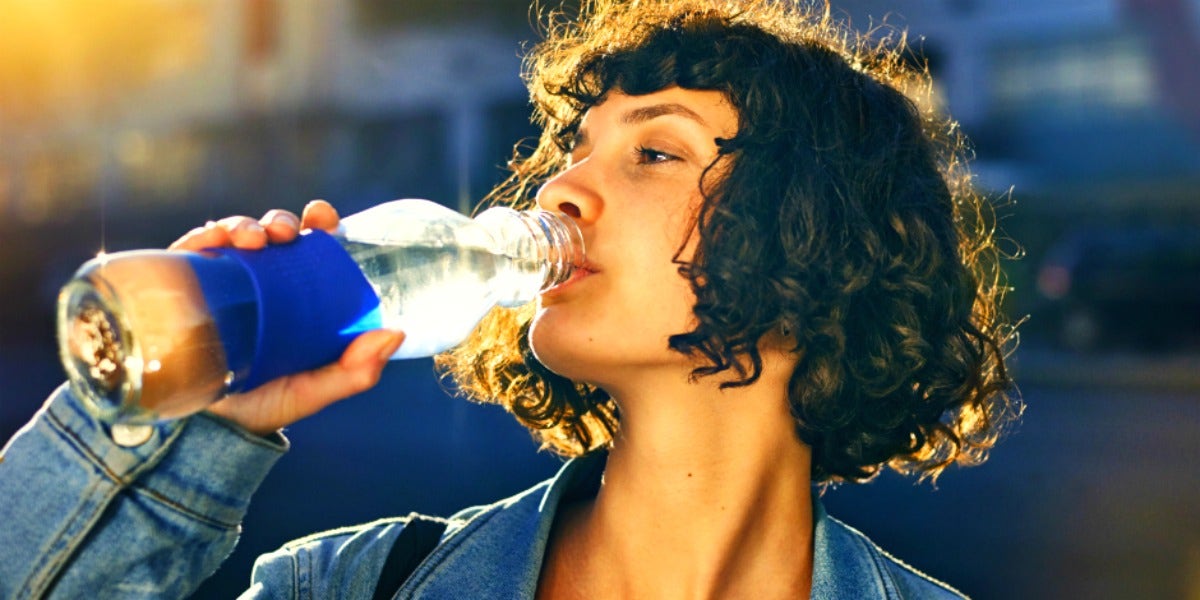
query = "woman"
x=790 y=282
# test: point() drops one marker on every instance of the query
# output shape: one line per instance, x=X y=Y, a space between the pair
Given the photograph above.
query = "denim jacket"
x=84 y=516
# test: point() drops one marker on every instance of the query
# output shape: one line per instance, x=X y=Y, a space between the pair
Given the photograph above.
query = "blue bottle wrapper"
x=309 y=298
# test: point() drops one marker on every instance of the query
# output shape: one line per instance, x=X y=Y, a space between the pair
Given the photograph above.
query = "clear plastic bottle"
x=153 y=334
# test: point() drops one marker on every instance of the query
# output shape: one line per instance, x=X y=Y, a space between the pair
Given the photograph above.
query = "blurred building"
x=1085 y=106
x=229 y=98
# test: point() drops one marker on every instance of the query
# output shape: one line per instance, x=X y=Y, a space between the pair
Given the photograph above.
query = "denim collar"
x=498 y=552
x=843 y=564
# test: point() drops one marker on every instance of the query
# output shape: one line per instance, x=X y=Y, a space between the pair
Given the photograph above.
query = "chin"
x=582 y=356
x=576 y=353
x=556 y=350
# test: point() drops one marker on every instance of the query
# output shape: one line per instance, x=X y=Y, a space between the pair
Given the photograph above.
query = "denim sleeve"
x=84 y=517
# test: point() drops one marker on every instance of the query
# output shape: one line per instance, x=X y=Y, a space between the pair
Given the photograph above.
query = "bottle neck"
x=550 y=240
x=559 y=241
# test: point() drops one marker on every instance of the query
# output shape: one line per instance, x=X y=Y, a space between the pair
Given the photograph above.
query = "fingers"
x=281 y=226
x=286 y=400
x=240 y=232
x=244 y=232
x=275 y=227
x=319 y=214
x=209 y=236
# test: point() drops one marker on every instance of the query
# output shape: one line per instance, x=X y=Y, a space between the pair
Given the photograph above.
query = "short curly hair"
x=847 y=218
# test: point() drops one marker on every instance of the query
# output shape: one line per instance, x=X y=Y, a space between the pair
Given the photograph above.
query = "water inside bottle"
x=437 y=294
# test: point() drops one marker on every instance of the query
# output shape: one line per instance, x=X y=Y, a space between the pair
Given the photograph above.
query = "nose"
x=571 y=192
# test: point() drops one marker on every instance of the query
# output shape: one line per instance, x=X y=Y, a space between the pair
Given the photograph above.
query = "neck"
x=706 y=494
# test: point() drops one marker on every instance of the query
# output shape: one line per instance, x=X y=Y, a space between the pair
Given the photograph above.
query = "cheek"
x=660 y=296
x=663 y=305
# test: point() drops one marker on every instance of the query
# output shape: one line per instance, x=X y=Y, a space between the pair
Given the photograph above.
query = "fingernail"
x=276 y=216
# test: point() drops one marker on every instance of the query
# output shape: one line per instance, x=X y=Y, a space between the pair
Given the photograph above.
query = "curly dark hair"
x=847 y=218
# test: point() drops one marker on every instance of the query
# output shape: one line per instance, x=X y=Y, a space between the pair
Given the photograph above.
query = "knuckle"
x=365 y=379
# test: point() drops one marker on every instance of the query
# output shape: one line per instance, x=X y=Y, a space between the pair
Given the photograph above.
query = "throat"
x=686 y=531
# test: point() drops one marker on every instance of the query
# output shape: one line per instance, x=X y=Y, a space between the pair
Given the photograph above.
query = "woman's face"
x=633 y=186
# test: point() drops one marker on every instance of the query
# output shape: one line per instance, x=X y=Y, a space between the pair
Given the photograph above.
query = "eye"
x=647 y=155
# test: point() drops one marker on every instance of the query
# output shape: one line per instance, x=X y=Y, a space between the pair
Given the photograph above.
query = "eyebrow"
x=645 y=113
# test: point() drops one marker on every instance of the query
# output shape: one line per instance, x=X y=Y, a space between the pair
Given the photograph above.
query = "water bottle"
x=147 y=335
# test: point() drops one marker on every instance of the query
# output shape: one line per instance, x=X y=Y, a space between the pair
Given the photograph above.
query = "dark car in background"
x=1131 y=286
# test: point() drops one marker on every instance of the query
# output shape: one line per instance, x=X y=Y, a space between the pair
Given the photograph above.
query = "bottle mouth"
x=101 y=360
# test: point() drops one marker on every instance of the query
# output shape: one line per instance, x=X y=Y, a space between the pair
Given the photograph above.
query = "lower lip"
x=576 y=276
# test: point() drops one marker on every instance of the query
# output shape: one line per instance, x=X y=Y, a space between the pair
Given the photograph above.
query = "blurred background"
x=125 y=124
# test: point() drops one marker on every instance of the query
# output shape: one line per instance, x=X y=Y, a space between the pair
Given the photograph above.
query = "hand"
x=286 y=400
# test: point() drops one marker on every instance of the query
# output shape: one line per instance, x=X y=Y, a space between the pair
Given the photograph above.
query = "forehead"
x=708 y=109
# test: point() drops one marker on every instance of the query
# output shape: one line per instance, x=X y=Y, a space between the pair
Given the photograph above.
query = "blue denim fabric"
x=848 y=565
x=84 y=517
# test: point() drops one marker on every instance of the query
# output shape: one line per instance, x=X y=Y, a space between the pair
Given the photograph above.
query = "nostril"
x=569 y=209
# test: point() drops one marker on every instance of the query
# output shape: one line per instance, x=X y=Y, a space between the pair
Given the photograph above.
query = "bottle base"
x=100 y=358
